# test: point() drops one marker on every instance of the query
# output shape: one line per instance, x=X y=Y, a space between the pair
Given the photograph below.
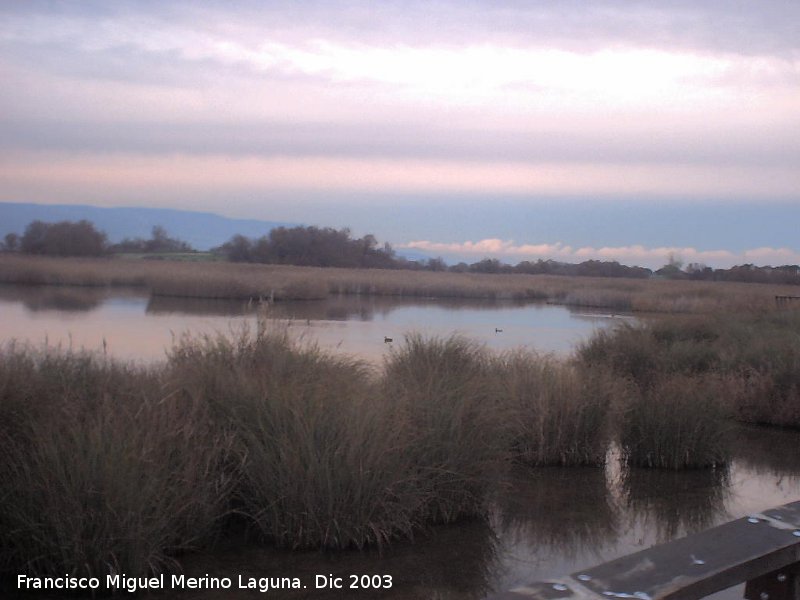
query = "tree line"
x=329 y=247
x=82 y=238
x=311 y=247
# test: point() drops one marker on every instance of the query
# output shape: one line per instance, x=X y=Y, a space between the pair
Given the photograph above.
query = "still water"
x=132 y=325
x=543 y=523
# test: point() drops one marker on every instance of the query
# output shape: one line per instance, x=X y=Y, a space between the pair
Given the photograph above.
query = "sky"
x=563 y=130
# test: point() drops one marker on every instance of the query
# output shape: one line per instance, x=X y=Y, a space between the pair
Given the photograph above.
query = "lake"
x=133 y=325
x=543 y=523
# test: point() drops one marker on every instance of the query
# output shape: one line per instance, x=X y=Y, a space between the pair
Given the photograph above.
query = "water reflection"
x=132 y=325
x=334 y=308
x=561 y=510
x=768 y=451
x=672 y=504
x=446 y=563
x=59 y=298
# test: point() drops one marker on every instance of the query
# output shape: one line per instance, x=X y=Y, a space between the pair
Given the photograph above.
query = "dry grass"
x=237 y=280
x=678 y=422
x=560 y=414
x=323 y=462
x=102 y=471
x=752 y=360
x=109 y=467
x=116 y=468
x=441 y=390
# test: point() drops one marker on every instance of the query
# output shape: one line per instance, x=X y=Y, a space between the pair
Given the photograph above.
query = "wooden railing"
x=762 y=550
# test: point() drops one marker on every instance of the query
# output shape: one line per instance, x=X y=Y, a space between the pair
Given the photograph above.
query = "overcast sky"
x=522 y=130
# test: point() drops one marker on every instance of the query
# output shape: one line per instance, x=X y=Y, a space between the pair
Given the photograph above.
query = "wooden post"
x=783 y=584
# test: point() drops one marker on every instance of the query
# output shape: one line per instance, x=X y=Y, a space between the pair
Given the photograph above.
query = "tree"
x=10 y=242
x=64 y=238
x=312 y=246
x=436 y=264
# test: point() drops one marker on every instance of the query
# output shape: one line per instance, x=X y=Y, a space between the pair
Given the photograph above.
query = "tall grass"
x=675 y=423
x=322 y=459
x=441 y=391
x=752 y=359
x=102 y=471
x=108 y=467
x=276 y=282
x=559 y=414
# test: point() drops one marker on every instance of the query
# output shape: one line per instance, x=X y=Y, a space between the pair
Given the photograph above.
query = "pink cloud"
x=632 y=255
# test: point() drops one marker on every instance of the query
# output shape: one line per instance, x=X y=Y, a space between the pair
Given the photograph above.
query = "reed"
x=559 y=414
x=109 y=467
x=455 y=424
x=752 y=359
x=322 y=461
x=102 y=472
x=677 y=422
x=277 y=282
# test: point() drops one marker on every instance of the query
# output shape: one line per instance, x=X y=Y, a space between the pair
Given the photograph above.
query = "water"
x=543 y=523
x=133 y=326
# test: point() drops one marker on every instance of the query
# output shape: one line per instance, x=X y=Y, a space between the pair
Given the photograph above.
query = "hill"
x=201 y=230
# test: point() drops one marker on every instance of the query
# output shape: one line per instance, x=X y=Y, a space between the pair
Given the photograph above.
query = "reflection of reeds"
x=65 y=299
x=275 y=282
x=676 y=503
x=564 y=510
x=768 y=451
x=453 y=562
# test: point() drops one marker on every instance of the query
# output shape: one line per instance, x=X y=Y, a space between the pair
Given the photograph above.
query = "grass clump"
x=677 y=422
x=102 y=471
x=321 y=460
x=754 y=358
x=560 y=412
x=455 y=425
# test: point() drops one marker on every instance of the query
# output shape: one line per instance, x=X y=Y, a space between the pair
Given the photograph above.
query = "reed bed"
x=110 y=468
x=752 y=360
x=322 y=460
x=281 y=282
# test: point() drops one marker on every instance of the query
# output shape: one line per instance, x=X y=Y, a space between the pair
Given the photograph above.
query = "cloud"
x=630 y=255
x=231 y=174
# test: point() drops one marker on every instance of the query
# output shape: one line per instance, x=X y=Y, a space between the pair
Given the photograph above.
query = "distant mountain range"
x=201 y=230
